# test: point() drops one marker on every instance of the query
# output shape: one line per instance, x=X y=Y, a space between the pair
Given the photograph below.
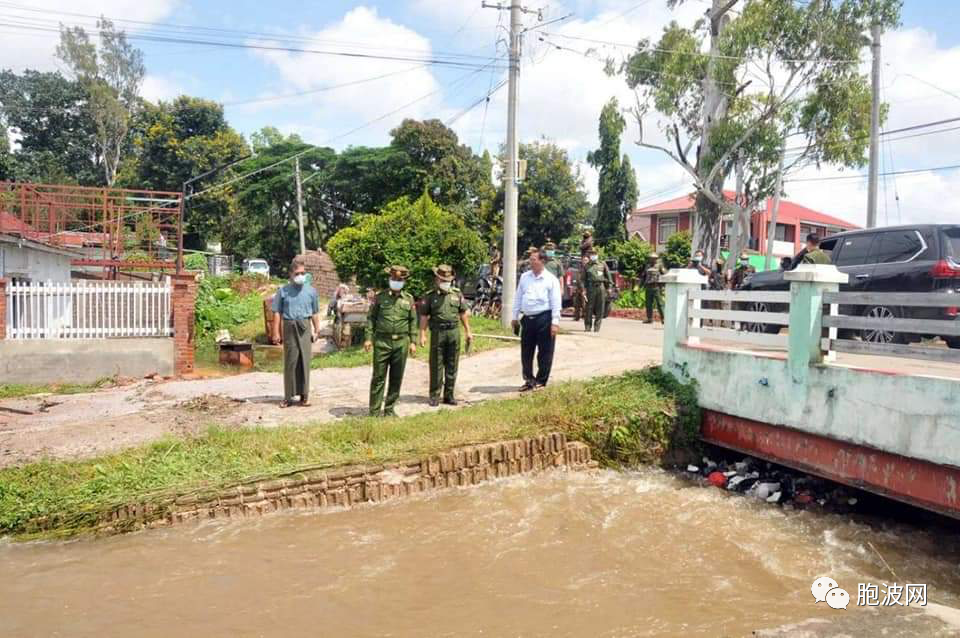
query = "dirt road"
x=90 y=424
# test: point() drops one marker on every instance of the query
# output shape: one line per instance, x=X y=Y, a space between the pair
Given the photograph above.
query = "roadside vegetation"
x=17 y=390
x=633 y=418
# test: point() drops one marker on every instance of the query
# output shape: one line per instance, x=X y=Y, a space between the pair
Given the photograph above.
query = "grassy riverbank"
x=634 y=417
x=17 y=390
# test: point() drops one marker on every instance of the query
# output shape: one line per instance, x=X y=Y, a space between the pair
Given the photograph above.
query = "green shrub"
x=196 y=261
x=677 y=250
x=631 y=256
x=631 y=298
x=418 y=235
x=219 y=306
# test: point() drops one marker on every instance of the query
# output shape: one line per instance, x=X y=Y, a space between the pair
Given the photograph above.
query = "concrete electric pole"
x=874 y=128
x=510 y=173
x=303 y=242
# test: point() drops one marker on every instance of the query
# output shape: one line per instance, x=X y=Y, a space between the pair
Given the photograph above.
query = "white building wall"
x=25 y=262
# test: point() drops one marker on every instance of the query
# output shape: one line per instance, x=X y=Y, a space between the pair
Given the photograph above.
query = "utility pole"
x=772 y=231
x=303 y=243
x=874 y=127
x=511 y=195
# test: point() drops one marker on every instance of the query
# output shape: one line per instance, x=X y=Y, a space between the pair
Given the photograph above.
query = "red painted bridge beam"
x=920 y=483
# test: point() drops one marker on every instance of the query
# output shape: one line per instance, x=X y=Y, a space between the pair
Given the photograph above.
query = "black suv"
x=922 y=258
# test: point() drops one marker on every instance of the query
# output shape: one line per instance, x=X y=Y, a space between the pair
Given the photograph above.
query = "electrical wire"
x=932 y=169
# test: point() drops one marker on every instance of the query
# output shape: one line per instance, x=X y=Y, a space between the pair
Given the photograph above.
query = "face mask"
x=444 y=286
x=396 y=285
x=299 y=279
x=594 y=258
x=697 y=259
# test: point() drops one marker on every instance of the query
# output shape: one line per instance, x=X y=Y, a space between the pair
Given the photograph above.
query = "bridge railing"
x=878 y=319
x=740 y=316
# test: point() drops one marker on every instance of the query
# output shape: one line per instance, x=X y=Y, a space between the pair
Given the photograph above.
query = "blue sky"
x=561 y=92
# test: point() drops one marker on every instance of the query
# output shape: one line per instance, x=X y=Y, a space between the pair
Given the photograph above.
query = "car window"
x=855 y=250
x=951 y=242
x=896 y=246
x=828 y=246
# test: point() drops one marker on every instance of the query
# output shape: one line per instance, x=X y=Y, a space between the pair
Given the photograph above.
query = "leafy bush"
x=631 y=298
x=677 y=250
x=418 y=235
x=632 y=257
x=219 y=307
x=196 y=261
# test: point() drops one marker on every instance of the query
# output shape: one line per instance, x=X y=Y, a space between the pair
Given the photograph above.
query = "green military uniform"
x=597 y=280
x=443 y=311
x=553 y=265
x=816 y=256
x=524 y=265
x=652 y=286
x=391 y=327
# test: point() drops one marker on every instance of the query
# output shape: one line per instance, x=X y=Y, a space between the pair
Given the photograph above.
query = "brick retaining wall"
x=348 y=486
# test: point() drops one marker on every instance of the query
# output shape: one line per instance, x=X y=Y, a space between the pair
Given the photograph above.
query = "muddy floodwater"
x=596 y=554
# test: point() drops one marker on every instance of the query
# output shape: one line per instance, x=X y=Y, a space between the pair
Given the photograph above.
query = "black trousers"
x=535 y=337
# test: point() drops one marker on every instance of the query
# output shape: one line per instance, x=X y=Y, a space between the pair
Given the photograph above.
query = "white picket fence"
x=88 y=310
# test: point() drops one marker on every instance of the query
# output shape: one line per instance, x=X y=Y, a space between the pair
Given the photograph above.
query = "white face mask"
x=444 y=286
x=594 y=258
x=396 y=285
x=300 y=279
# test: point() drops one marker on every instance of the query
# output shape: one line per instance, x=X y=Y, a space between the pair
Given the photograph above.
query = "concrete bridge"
x=785 y=399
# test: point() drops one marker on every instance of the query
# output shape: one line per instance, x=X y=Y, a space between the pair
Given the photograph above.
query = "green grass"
x=635 y=416
x=17 y=390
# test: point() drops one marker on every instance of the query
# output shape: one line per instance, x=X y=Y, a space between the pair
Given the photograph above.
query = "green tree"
x=552 y=197
x=176 y=141
x=418 y=235
x=776 y=70
x=57 y=137
x=676 y=252
x=631 y=256
x=111 y=77
x=271 y=136
x=617 y=183
x=6 y=157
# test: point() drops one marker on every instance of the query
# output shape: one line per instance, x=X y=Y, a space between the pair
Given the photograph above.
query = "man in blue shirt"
x=296 y=305
x=539 y=302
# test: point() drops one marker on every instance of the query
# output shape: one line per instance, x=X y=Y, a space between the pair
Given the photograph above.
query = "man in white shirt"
x=538 y=301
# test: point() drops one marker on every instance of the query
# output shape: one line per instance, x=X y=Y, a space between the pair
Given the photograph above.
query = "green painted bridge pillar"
x=678 y=283
x=808 y=283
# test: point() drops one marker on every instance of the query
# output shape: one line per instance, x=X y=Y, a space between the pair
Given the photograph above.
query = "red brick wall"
x=320 y=266
x=184 y=301
x=683 y=223
x=3 y=308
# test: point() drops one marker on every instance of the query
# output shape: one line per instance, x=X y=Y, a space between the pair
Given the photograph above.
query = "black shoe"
x=526 y=387
x=648 y=321
x=434 y=402
x=539 y=386
x=450 y=402
x=390 y=414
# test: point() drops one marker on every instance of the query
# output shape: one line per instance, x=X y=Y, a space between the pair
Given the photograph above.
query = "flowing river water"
x=596 y=554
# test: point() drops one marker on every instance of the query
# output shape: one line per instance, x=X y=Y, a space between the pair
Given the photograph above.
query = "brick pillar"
x=3 y=308
x=184 y=301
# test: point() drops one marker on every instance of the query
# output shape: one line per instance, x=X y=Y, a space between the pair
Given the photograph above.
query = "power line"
x=932 y=169
x=285 y=49
x=484 y=99
x=906 y=129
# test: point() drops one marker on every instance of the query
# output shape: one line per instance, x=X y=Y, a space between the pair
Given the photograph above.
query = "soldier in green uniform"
x=652 y=285
x=524 y=265
x=444 y=309
x=553 y=264
x=813 y=254
x=597 y=282
x=391 y=334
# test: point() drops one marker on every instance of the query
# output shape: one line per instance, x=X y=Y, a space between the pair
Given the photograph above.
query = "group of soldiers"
x=394 y=325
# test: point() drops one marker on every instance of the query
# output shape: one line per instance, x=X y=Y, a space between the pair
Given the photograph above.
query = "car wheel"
x=953 y=342
x=765 y=328
x=880 y=335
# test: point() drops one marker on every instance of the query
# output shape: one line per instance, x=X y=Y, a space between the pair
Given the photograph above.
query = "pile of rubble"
x=774 y=484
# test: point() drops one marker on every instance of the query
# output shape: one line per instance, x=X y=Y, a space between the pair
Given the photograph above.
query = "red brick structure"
x=321 y=268
x=184 y=300
x=3 y=308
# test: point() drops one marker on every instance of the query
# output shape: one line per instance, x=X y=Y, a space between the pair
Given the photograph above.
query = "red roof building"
x=794 y=222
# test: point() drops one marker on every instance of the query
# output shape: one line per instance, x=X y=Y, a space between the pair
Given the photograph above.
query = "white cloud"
x=361 y=29
x=34 y=48
x=161 y=87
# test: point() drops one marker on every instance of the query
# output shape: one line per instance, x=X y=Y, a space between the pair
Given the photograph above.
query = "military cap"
x=397 y=272
x=444 y=272
x=549 y=246
x=587 y=233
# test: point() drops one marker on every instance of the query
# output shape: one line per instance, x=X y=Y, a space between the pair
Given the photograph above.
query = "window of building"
x=666 y=226
x=785 y=232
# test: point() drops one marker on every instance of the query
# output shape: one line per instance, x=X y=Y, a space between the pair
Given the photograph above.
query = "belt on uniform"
x=393 y=336
x=442 y=325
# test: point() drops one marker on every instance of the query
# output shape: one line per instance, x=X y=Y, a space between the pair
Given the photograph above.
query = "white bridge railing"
x=748 y=317
x=878 y=318
x=87 y=310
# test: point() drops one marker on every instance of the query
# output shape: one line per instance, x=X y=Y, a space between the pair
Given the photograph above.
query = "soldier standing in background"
x=391 y=334
x=580 y=295
x=597 y=281
x=651 y=287
x=443 y=309
x=553 y=264
x=743 y=270
x=495 y=263
x=525 y=263
x=587 y=242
